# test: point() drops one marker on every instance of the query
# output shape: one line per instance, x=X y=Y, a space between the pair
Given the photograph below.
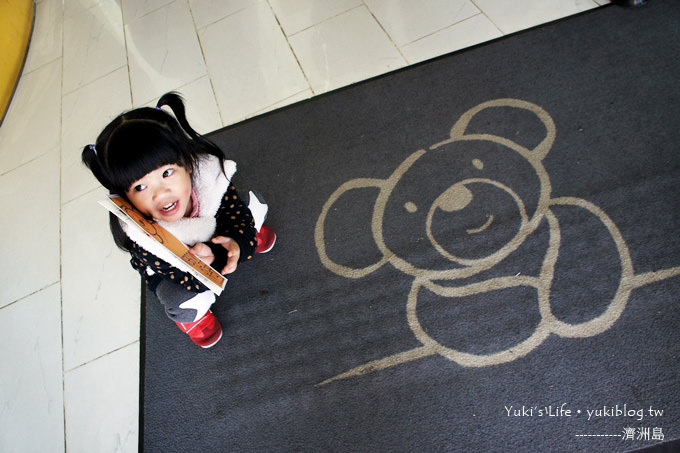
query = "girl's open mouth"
x=170 y=208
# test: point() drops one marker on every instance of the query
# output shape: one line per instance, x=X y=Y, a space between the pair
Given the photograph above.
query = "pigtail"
x=119 y=237
x=176 y=104
x=91 y=160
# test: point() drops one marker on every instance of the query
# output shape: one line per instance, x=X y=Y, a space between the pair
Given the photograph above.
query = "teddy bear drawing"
x=482 y=240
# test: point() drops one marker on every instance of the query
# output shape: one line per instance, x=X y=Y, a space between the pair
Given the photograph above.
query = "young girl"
x=180 y=179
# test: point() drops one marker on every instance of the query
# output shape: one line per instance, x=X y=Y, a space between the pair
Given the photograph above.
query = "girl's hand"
x=233 y=252
x=203 y=252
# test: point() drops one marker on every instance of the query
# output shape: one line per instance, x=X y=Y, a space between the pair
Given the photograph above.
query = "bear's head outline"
x=410 y=196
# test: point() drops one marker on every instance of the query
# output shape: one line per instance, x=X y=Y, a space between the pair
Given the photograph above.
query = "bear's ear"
x=344 y=233
x=518 y=124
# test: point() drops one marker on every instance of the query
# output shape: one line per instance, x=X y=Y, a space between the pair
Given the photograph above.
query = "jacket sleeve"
x=234 y=220
x=142 y=260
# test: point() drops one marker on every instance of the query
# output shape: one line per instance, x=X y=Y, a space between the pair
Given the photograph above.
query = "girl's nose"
x=160 y=190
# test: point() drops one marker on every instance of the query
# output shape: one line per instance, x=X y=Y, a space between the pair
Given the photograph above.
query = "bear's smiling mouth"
x=481 y=228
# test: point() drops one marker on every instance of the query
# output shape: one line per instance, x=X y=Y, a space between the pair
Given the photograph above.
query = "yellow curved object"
x=16 y=26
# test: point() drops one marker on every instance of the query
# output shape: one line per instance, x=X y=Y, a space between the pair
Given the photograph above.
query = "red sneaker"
x=205 y=332
x=265 y=239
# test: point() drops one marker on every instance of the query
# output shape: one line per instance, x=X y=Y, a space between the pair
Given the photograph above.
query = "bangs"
x=140 y=147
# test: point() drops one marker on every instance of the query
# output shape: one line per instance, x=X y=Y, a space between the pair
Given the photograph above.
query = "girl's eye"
x=168 y=172
x=139 y=187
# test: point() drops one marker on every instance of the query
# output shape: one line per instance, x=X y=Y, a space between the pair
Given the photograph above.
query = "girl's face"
x=164 y=194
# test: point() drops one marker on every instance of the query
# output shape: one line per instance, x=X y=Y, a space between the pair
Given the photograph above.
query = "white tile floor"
x=70 y=372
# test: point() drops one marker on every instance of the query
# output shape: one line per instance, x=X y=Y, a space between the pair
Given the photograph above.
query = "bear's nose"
x=455 y=198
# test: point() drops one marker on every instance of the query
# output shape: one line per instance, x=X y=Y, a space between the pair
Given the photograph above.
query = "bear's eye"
x=478 y=164
x=410 y=206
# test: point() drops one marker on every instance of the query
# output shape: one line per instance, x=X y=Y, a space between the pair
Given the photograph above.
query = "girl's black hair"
x=140 y=141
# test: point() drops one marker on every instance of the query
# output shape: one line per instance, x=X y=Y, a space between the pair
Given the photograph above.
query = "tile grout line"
x=127 y=57
x=26 y=296
x=290 y=46
x=23 y=164
x=205 y=60
x=60 y=245
x=316 y=24
x=473 y=2
x=396 y=47
x=106 y=354
x=481 y=13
